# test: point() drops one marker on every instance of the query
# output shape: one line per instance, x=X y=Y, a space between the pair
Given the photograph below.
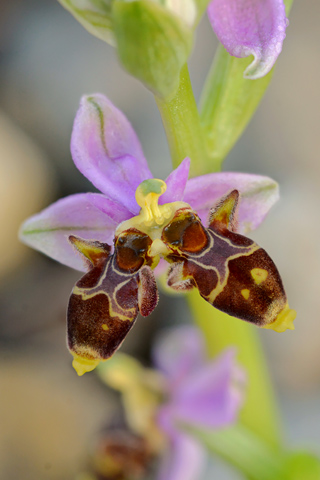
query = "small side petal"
x=178 y=352
x=107 y=151
x=86 y=215
x=212 y=396
x=184 y=457
x=250 y=27
x=176 y=183
x=257 y=195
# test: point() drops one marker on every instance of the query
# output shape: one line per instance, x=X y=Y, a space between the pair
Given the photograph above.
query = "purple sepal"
x=106 y=150
x=258 y=195
x=90 y=216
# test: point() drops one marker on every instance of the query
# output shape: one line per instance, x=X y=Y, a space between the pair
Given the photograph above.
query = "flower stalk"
x=244 y=450
x=220 y=331
x=229 y=101
x=181 y=122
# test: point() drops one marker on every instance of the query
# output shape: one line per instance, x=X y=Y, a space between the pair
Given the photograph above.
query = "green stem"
x=228 y=102
x=259 y=412
x=245 y=451
x=181 y=122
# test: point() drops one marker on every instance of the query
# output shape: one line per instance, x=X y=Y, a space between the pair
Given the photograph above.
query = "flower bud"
x=154 y=40
x=154 y=37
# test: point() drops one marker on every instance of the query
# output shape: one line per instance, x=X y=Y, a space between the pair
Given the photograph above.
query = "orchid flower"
x=186 y=390
x=250 y=27
x=201 y=393
x=148 y=219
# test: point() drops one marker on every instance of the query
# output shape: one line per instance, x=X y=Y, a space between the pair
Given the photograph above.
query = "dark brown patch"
x=205 y=280
x=131 y=249
x=127 y=295
x=185 y=232
x=236 y=238
x=85 y=320
x=90 y=279
x=269 y=293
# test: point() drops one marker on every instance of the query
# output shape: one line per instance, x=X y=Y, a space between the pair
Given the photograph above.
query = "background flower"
x=201 y=393
x=186 y=390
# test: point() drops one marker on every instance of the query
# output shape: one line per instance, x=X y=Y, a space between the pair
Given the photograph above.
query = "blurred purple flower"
x=107 y=151
x=186 y=390
x=250 y=27
x=201 y=393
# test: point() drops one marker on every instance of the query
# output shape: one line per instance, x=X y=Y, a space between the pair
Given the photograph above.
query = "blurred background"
x=49 y=417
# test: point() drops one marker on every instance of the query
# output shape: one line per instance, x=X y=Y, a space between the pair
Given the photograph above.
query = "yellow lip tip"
x=83 y=365
x=284 y=320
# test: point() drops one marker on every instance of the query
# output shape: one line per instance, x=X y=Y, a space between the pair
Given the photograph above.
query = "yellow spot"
x=283 y=321
x=83 y=364
x=259 y=275
x=105 y=327
x=245 y=293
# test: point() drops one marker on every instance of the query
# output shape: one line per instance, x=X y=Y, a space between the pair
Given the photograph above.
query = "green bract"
x=94 y=15
x=153 y=43
x=154 y=37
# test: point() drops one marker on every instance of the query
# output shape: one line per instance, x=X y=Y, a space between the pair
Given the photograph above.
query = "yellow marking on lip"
x=283 y=321
x=223 y=282
x=245 y=293
x=112 y=301
x=259 y=275
x=105 y=327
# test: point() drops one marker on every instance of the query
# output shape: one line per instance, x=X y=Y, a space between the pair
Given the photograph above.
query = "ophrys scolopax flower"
x=147 y=219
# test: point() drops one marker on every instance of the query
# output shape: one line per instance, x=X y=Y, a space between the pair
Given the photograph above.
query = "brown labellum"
x=230 y=271
x=105 y=302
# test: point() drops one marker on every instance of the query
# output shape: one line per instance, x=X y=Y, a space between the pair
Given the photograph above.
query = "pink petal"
x=250 y=27
x=178 y=352
x=176 y=183
x=258 y=195
x=107 y=151
x=88 y=215
x=211 y=396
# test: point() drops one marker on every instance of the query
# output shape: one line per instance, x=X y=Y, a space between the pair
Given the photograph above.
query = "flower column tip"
x=147 y=196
